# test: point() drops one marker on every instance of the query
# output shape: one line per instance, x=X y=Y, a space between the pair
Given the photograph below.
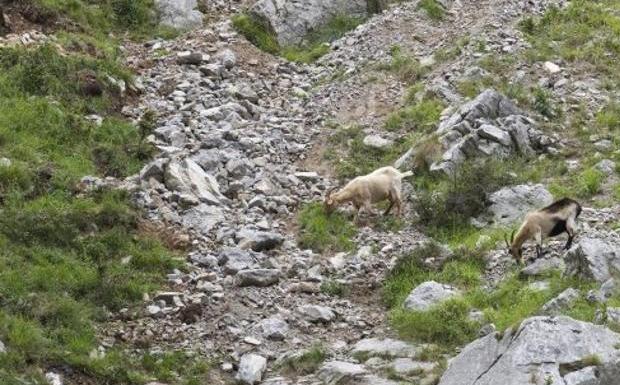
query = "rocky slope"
x=240 y=135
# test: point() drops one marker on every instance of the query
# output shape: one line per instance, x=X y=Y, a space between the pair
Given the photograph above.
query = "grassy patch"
x=584 y=185
x=306 y=362
x=324 y=232
x=404 y=66
x=315 y=44
x=433 y=9
x=334 y=288
x=419 y=116
x=256 y=32
x=584 y=32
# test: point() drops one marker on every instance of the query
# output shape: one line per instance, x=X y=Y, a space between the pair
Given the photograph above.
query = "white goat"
x=381 y=184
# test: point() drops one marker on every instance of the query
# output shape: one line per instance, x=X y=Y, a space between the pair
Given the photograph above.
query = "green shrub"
x=542 y=103
x=432 y=8
x=406 y=67
x=256 y=32
x=589 y=182
x=334 y=288
x=452 y=201
x=324 y=232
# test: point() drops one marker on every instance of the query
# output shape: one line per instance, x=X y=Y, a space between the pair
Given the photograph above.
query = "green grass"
x=585 y=33
x=305 y=363
x=407 y=68
x=314 y=45
x=62 y=253
x=584 y=185
x=324 y=232
x=447 y=324
x=334 y=288
x=420 y=116
x=256 y=32
x=433 y=9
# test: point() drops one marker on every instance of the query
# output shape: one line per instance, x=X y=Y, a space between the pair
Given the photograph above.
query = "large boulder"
x=187 y=177
x=489 y=125
x=292 y=20
x=543 y=350
x=383 y=347
x=179 y=14
x=594 y=257
x=510 y=204
x=251 y=369
x=341 y=373
x=428 y=294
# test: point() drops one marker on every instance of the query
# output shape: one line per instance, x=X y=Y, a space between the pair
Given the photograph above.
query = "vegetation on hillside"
x=69 y=258
x=315 y=44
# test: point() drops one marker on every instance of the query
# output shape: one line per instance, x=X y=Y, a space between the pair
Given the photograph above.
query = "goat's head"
x=514 y=250
x=329 y=202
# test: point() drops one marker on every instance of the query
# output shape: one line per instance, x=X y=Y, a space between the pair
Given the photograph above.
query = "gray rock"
x=585 y=376
x=316 y=313
x=510 y=204
x=274 y=328
x=341 y=373
x=191 y=58
x=384 y=347
x=376 y=141
x=542 y=347
x=227 y=58
x=407 y=366
x=212 y=70
x=186 y=176
x=562 y=301
x=593 y=257
x=427 y=294
x=256 y=240
x=374 y=380
x=2 y=347
x=251 y=369
x=5 y=162
x=234 y=260
x=542 y=266
x=53 y=378
x=258 y=277
x=604 y=145
x=154 y=169
x=203 y=218
x=613 y=315
x=606 y=166
x=291 y=20
x=179 y=14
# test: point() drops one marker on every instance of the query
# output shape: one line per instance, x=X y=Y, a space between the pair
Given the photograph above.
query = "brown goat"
x=555 y=219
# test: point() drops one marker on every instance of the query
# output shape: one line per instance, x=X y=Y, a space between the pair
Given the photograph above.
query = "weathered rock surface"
x=489 y=125
x=430 y=293
x=316 y=313
x=384 y=347
x=179 y=14
x=341 y=373
x=291 y=20
x=542 y=347
x=594 y=257
x=251 y=369
x=258 y=277
x=563 y=300
x=510 y=204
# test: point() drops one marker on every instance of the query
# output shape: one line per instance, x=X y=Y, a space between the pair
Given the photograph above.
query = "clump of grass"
x=305 y=363
x=433 y=9
x=406 y=67
x=609 y=117
x=315 y=44
x=584 y=185
x=420 y=116
x=446 y=323
x=542 y=103
x=257 y=32
x=324 y=232
x=584 y=32
x=334 y=288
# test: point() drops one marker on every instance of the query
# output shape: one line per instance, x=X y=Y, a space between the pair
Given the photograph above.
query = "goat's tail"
x=406 y=174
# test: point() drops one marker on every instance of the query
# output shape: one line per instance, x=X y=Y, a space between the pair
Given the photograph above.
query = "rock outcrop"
x=427 y=294
x=489 y=125
x=594 y=257
x=292 y=20
x=510 y=204
x=552 y=350
x=179 y=14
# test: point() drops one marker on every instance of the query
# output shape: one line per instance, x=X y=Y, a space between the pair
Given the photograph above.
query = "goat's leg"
x=570 y=230
x=539 y=243
x=387 y=211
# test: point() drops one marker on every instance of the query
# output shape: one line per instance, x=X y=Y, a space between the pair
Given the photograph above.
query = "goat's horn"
x=512 y=236
x=331 y=191
x=506 y=240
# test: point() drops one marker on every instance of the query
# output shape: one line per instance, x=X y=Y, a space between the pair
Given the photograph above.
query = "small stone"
x=316 y=313
x=274 y=328
x=5 y=162
x=427 y=294
x=551 y=67
x=376 y=141
x=252 y=341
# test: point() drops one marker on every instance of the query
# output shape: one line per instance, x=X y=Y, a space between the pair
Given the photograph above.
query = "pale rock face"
x=542 y=347
x=594 y=257
x=179 y=14
x=251 y=369
x=511 y=204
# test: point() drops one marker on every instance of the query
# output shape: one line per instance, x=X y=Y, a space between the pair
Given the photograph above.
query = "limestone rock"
x=427 y=294
x=179 y=14
x=251 y=369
